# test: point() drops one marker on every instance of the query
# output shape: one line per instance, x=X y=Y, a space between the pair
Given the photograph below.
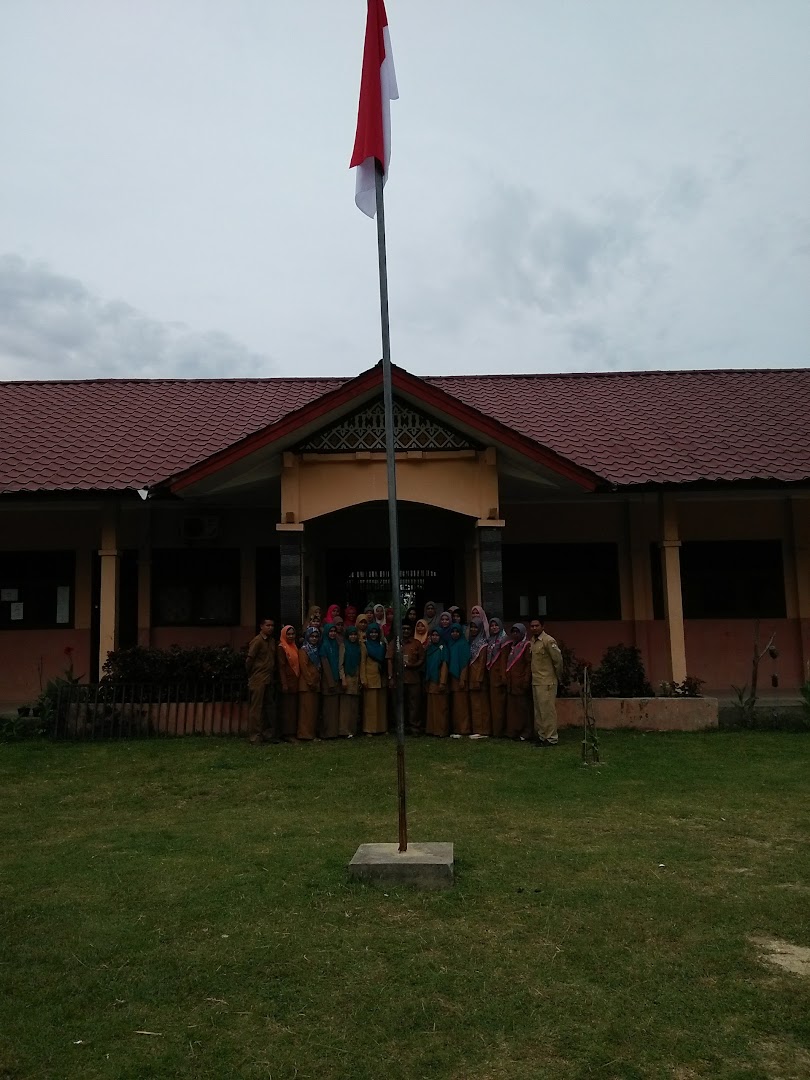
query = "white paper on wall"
x=16 y=612
x=63 y=603
x=10 y=594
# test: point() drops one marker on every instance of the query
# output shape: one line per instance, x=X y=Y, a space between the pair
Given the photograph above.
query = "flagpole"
x=393 y=526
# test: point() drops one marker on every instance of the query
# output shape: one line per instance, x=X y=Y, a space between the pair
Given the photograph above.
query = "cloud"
x=673 y=271
x=54 y=327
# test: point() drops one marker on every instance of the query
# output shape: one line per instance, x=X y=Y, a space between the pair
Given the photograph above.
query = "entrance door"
x=363 y=576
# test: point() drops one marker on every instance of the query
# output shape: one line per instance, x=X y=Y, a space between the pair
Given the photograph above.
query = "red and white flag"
x=378 y=88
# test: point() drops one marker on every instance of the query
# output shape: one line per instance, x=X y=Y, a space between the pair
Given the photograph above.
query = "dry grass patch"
x=793 y=958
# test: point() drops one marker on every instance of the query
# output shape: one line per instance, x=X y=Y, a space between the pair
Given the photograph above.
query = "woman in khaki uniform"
x=477 y=687
x=289 y=671
x=519 y=723
x=438 y=699
x=374 y=681
x=330 y=683
x=309 y=684
x=497 y=653
x=349 y=713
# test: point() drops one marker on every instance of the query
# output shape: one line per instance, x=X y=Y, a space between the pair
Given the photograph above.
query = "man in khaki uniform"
x=261 y=669
x=547 y=665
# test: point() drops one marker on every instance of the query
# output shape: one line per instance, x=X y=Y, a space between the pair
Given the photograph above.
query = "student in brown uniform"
x=349 y=713
x=374 y=681
x=413 y=663
x=261 y=669
x=309 y=684
x=289 y=671
x=477 y=687
x=330 y=683
x=519 y=685
x=458 y=670
x=497 y=653
x=436 y=695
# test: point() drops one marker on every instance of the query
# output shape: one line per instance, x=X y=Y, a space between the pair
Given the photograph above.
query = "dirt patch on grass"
x=795 y=958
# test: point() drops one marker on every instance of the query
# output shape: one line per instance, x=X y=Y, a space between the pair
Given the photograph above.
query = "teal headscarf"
x=435 y=656
x=375 y=649
x=351 y=652
x=459 y=654
x=330 y=651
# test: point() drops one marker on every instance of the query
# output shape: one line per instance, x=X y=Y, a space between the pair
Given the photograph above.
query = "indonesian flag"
x=378 y=88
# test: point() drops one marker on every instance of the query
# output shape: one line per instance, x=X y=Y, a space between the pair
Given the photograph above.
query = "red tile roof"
x=659 y=427
x=628 y=428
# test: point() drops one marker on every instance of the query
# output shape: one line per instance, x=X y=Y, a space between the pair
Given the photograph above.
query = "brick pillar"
x=489 y=547
x=291 y=542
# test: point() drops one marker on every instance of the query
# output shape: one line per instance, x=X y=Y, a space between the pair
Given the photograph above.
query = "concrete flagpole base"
x=424 y=866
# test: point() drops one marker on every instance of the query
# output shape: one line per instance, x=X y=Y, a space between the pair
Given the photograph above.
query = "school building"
x=669 y=510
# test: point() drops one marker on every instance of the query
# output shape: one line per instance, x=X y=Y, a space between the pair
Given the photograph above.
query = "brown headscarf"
x=420 y=631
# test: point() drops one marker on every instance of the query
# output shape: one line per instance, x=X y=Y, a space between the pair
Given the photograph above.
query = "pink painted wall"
x=720 y=651
x=717 y=650
x=20 y=654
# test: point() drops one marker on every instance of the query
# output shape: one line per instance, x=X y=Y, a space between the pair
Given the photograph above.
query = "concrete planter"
x=646 y=714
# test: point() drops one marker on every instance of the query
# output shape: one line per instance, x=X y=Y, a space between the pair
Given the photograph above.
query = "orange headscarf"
x=290 y=649
x=420 y=631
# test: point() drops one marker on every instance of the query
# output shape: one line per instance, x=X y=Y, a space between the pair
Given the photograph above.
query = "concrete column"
x=673 y=597
x=110 y=559
x=489 y=547
x=472 y=571
x=291 y=573
x=800 y=522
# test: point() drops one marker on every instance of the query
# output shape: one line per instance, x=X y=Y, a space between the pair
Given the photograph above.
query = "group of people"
x=336 y=676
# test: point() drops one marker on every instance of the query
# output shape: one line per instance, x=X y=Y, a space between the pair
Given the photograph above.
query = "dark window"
x=36 y=589
x=726 y=579
x=578 y=581
x=195 y=587
x=268 y=585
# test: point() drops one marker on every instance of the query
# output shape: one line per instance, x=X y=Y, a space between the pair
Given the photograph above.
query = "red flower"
x=68 y=650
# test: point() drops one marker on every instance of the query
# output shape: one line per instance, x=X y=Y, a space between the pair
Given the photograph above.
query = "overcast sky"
x=575 y=185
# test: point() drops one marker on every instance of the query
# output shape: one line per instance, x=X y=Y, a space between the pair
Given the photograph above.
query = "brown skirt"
x=438 y=715
x=330 y=716
x=375 y=711
x=309 y=706
x=497 y=708
x=519 y=718
x=288 y=713
x=459 y=708
x=479 y=712
x=349 y=714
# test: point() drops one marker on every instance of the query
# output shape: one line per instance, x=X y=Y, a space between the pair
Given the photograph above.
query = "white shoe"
x=455 y=736
x=479 y=736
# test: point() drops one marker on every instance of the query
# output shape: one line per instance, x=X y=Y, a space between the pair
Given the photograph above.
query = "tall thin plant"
x=590 y=739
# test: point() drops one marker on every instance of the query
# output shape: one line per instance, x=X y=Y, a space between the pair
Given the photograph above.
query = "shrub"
x=621 y=674
x=690 y=687
x=200 y=664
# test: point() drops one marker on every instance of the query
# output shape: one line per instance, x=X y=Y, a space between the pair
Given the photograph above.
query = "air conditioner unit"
x=200 y=528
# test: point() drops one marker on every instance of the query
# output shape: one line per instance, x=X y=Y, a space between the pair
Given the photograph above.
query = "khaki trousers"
x=544 y=696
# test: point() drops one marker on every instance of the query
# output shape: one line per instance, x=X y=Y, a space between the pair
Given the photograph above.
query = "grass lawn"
x=601 y=925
